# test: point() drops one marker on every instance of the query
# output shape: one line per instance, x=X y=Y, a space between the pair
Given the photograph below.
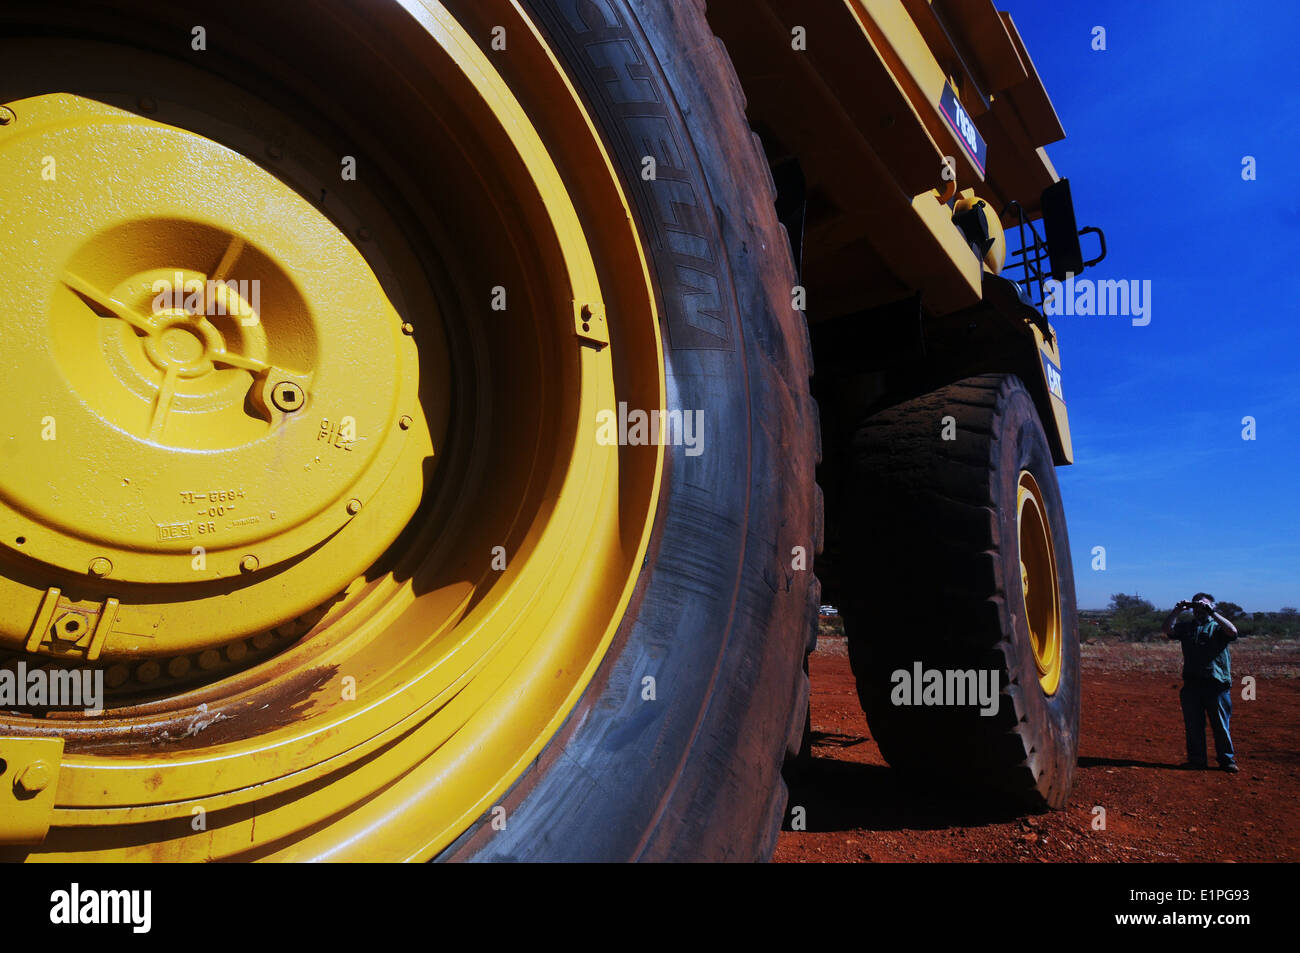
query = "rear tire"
x=935 y=577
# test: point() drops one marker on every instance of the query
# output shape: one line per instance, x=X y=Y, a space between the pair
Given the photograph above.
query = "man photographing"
x=1207 y=677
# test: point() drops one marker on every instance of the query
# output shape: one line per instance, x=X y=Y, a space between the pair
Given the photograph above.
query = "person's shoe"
x=1193 y=766
x=1231 y=767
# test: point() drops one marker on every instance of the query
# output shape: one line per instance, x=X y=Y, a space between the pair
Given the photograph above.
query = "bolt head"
x=287 y=396
x=249 y=564
x=404 y=422
x=99 y=566
x=408 y=328
x=34 y=779
x=354 y=507
x=71 y=627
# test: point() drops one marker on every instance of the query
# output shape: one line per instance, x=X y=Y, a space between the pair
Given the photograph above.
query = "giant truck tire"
x=959 y=562
x=487 y=530
x=727 y=602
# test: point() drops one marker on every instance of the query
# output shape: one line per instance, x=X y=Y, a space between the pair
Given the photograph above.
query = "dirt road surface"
x=1131 y=741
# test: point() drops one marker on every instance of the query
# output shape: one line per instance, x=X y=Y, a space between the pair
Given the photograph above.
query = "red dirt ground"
x=1131 y=739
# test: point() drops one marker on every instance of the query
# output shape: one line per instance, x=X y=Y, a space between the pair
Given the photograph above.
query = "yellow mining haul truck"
x=410 y=443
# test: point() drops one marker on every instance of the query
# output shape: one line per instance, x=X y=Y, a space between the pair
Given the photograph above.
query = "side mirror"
x=1062 y=231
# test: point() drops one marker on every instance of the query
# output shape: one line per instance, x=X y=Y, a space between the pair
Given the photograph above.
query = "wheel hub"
x=1039 y=586
x=409 y=699
x=216 y=378
x=182 y=347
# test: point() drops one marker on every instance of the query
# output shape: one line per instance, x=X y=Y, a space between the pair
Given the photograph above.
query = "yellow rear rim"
x=341 y=538
x=1039 y=585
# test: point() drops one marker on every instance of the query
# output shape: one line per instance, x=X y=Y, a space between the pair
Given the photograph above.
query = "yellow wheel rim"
x=454 y=548
x=1039 y=586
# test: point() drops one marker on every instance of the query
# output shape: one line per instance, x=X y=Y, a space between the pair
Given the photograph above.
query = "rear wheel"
x=441 y=548
x=961 y=563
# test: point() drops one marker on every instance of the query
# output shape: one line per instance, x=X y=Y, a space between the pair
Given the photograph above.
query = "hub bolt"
x=99 y=566
x=34 y=779
x=71 y=627
x=249 y=564
x=288 y=396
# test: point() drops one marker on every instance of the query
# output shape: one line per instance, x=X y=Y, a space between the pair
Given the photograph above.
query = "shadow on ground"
x=848 y=796
x=1124 y=763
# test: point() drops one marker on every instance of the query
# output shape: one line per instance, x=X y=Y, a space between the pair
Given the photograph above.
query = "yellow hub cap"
x=184 y=381
x=1038 y=581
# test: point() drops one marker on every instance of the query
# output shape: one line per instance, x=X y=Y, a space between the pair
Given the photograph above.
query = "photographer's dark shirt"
x=1205 y=650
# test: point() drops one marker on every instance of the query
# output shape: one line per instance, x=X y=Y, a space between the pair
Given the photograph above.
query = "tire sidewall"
x=691 y=769
x=1049 y=725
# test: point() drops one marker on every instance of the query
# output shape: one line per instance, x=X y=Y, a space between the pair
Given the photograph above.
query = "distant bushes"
x=1131 y=618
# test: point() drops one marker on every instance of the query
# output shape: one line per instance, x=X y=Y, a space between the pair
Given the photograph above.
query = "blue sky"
x=1156 y=128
